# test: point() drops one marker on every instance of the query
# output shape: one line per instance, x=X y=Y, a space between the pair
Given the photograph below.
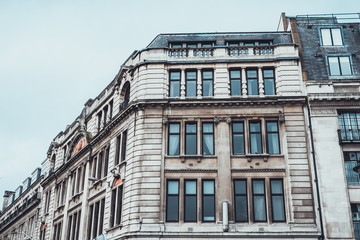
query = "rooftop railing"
x=335 y=18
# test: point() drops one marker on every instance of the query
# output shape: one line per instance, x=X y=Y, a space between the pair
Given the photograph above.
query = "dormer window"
x=331 y=37
x=176 y=45
x=191 y=45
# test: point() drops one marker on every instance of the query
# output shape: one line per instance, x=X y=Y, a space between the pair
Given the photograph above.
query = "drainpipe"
x=315 y=173
x=225 y=208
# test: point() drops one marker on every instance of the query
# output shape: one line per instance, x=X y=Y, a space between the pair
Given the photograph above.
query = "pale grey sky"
x=55 y=55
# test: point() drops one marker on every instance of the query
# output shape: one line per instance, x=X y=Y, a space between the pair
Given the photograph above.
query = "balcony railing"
x=230 y=51
x=349 y=135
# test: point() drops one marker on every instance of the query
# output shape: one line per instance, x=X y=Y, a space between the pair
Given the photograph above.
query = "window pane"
x=268 y=73
x=190 y=187
x=208 y=145
x=278 y=208
x=269 y=86
x=174 y=88
x=190 y=208
x=238 y=144
x=208 y=128
x=326 y=36
x=336 y=34
x=235 y=87
x=191 y=88
x=258 y=187
x=259 y=208
x=255 y=144
x=190 y=144
x=190 y=75
x=241 y=209
x=273 y=143
x=175 y=75
x=235 y=74
x=271 y=127
x=208 y=187
x=207 y=74
x=276 y=187
x=174 y=145
x=253 y=87
x=238 y=127
x=345 y=66
x=334 y=66
x=174 y=128
x=207 y=88
x=172 y=213
x=352 y=177
x=251 y=73
x=240 y=187
x=209 y=208
x=191 y=128
x=176 y=46
x=173 y=187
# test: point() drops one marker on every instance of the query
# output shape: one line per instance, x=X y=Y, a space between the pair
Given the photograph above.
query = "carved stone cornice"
x=190 y=170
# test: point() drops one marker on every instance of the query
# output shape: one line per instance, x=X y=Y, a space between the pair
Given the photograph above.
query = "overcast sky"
x=55 y=55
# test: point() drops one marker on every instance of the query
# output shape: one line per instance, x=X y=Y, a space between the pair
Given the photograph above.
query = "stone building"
x=329 y=49
x=199 y=136
x=20 y=218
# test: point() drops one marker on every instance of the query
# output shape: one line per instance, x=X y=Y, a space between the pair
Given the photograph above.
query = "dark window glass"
x=277 y=200
x=238 y=138
x=207 y=81
x=206 y=44
x=190 y=201
x=208 y=201
x=176 y=45
x=349 y=126
x=255 y=138
x=101 y=221
x=241 y=213
x=119 y=204
x=259 y=206
x=106 y=161
x=208 y=138
x=191 y=45
x=269 y=81
x=355 y=210
x=191 y=83
x=252 y=82
x=113 y=207
x=235 y=82
x=190 y=141
x=175 y=84
x=339 y=66
x=272 y=133
x=118 y=147
x=172 y=207
x=174 y=139
x=351 y=160
x=123 y=146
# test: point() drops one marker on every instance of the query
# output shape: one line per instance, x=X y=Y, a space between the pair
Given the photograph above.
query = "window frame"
x=196 y=141
x=252 y=78
x=277 y=194
x=235 y=79
x=257 y=194
x=178 y=134
x=190 y=80
x=258 y=133
x=167 y=199
x=203 y=195
x=190 y=195
x=207 y=80
x=272 y=132
x=175 y=80
x=207 y=134
x=241 y=195
x=233 y=137
x=268 y=78
x=331 y=36
x=337 y=57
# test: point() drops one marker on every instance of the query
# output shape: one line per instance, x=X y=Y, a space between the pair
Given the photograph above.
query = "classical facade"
x=199 y=136
x=329 y=49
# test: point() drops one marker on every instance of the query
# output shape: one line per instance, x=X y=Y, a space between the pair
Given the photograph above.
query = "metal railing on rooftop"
x=335 y=18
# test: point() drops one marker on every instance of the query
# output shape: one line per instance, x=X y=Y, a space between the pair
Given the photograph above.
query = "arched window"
x=125 y=96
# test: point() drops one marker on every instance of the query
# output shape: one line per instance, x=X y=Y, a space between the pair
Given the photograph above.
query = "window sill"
x=250 y=157
x=194 y=157
x=114 y=227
